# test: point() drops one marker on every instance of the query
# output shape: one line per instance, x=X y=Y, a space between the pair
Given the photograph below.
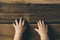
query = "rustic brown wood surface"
x=32 y=1
x=32 y=13
x=7 y=32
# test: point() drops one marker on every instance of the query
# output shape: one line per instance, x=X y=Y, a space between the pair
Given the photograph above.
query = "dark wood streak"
x=48 y=13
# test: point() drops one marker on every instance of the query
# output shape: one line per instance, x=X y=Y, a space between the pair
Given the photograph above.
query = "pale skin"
x=19 y=29
x=42 y=30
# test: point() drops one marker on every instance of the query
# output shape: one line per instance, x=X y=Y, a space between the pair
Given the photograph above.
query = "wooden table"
x=32 y=13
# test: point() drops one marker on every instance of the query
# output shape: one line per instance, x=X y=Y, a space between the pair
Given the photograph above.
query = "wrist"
x=20 y=33
x=43 y=35
x=18 y=36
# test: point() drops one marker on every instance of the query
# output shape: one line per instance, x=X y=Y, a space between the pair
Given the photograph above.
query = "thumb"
x=36 y=30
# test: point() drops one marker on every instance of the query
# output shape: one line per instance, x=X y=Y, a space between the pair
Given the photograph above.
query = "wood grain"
x=32 y=13
x=32 y=1
x=48 y=13
x=7 y=32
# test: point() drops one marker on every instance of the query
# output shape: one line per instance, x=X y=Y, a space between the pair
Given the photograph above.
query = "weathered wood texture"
x=32 y=13
x=7 y=32
x=32 y=1
x=10 y=12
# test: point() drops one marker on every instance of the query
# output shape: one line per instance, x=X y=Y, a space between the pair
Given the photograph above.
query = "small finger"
x=23 y=22
x=20 y=22
x=14 y=25
x=16 y=22
x=40 y=23
x=43 y=24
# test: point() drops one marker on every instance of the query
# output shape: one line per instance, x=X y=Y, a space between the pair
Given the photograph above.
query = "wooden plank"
x=32 y=13
x=48 y=13
x=32 y=1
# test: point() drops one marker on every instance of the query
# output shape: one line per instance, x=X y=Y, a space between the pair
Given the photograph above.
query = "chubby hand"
x=19 y=27
x=42 y=28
